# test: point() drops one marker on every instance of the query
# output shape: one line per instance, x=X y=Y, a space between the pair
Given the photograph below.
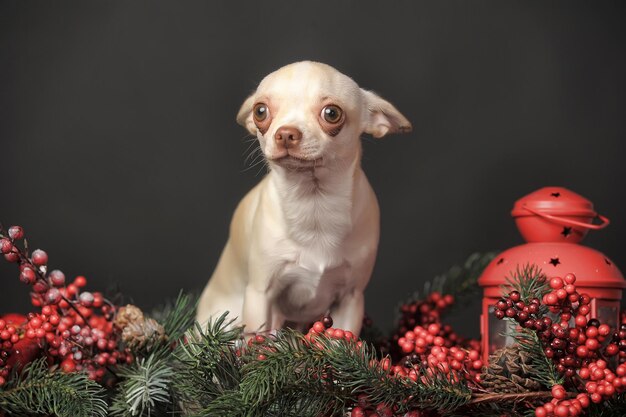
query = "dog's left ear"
x=382 y=117
x=244 y=117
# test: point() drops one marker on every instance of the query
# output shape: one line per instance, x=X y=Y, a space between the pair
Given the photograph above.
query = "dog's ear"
x=244 y=117
x=382 y=117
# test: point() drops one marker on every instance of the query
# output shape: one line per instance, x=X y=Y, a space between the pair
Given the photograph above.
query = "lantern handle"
x=605 y=221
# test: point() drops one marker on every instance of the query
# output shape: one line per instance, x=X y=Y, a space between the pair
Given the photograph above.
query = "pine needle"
x=40 y=391
x=145 y=387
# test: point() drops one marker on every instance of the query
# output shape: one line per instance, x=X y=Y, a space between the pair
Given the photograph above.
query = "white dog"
x=303 y=241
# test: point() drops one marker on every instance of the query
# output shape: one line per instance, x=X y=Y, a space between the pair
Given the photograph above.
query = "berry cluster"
x=422 y=312
x=602 y=383
x=436 y=347
x=570 y=347
x=325 y=326
x=74 y=327
x=560 y=406
x=579 y=347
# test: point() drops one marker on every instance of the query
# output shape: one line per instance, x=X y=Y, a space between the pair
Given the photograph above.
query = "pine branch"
x=615 y=407
x=460 y=281
x=531 y=283
x=39 y=391
x=529 y=280
x=335 y=372
x=208 y=365
x=180 y=316
x=145 y=388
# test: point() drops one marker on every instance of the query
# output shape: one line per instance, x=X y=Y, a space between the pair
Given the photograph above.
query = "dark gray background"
x=121 y=157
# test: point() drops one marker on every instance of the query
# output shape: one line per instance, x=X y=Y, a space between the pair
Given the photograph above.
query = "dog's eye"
x=260 y=112
x=332 y=114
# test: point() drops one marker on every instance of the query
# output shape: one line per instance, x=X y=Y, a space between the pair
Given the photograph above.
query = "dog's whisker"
x=250 y=146
x=260 y=158
x=264 y=165
x=254 y=153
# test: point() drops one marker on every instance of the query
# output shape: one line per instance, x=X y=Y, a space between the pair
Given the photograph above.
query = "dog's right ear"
x=383 y=117
x=244 y=117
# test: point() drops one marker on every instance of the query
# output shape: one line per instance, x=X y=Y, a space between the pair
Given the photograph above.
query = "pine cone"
x=144 y=334
x=127 y=315
x=138 y=332
x=510 y=371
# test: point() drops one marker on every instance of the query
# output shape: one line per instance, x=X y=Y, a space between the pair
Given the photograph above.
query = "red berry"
x=580 y=320
x=57 y=278
x=16 y=232
x=357 y=412
x=5 y=245
x=558 y=392
x=86 y=298
x=561 y=411
x=68 y=365
x=39 y=257
x=318 y=327
x=338 y=334
x=556 y=283
x=569 y=278
x=12 y=257
x=27 y=276
x=604 y=330
x=550 y=299
x=53 y=296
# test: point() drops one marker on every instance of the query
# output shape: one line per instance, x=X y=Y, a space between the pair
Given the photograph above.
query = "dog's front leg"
x=256 y=310
x=348 y=313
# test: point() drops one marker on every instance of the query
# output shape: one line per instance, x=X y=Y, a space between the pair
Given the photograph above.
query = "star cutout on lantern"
x=555 y=194
x=554 y=261
x=566 y=231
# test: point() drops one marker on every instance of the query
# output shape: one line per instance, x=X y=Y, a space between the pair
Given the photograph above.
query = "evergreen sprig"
x=326 y=376
x=38 y=390
x=145 y=386
x=531 y=282
x=460 y=281
x=144 y=389
x=180 y=316
x=543 y=368
x=208 y=365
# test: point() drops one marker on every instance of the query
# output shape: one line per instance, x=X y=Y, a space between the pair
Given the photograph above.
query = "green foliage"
x=297 y=378
x=615 y=407
x=530 y=281
x=208 y=366
x=543 y=368
x=40 y=391
x=145 y=386
x=461 y=281
x=179 y=317
x=144 y=389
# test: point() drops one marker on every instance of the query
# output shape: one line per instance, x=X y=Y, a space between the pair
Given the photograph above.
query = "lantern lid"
x=592 y=268
x=555 y=201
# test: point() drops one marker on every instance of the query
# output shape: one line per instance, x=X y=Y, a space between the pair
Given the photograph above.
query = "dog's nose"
x=287 y=137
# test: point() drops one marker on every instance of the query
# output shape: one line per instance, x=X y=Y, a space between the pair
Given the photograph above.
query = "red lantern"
x=553 y=220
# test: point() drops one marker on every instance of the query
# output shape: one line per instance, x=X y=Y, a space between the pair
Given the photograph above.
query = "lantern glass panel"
x=607 y=313
x=498 y=330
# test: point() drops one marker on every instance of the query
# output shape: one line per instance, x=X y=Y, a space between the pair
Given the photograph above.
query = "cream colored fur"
x=303 y=241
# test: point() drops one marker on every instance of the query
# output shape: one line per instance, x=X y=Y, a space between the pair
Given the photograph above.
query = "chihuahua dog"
x=303 y=241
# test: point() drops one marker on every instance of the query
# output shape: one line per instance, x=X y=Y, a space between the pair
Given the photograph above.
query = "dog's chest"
x=317 y=220
x=303 y=294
